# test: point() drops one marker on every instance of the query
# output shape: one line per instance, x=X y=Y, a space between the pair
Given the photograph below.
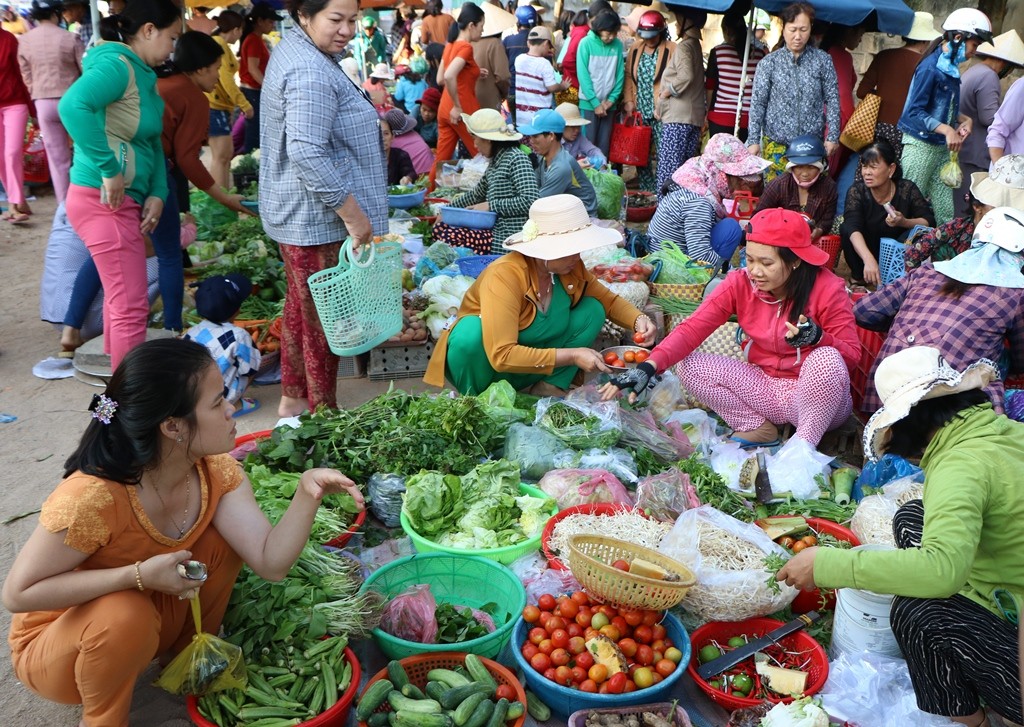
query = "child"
x=411 y=85
x=601 y=67
x=535 y=76
x=426 y=116
x=574 y=141
x=217 y=301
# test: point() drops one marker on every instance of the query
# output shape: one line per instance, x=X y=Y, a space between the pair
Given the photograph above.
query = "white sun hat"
x=559 y=226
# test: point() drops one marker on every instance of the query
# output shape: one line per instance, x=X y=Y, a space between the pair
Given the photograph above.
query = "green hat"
x=369 y=22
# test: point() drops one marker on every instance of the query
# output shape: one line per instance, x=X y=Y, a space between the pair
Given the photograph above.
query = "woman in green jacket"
x=958 y=576
x=119 y=176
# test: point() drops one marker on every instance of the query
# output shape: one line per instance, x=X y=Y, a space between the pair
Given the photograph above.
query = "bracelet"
x=643 y=316
x=138 y=575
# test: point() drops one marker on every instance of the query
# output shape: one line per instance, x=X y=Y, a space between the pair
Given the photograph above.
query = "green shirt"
x=115 y=116
x=973 y=510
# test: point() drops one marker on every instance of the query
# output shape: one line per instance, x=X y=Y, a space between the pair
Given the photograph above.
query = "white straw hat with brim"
x=1008 y=47
x=491 y=125
x=381 y=70
x=923 y=28
x=571 y=114
x=559 y=226
x=496 y=20
x=1003 y=186
x=913 y=375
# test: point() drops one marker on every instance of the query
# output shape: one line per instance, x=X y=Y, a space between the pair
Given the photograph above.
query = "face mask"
x=951 y=66
x=808 y=184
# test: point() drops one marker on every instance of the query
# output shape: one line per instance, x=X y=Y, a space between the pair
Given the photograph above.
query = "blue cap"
x=546 y=121
x=725 y=237
x=805 y=150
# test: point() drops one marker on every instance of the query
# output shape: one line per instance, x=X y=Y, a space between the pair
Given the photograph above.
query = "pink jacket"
x=762 y=320
x=50 y=59
x=576 y=34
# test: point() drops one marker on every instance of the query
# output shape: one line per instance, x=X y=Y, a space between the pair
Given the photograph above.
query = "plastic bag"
x=410 y=615
x=698 y=426
x=576 y=487
x=640 y=430
x=727 y=556
x=579 y=423
x=614 y=459
x=949 y=173
x=888 y=468
x=604 y=255
x=626 y=270
x=666 y=495
x=727 y=460
x=796 y=469
x=206 y=665
x=872 y=520
x=473 y=171
x=534 y=449
x=385 y=491
x=677 y=267
x=499 y=402
x=666 y=398
x=869 y=689
x=538 y=578
x=611 y=191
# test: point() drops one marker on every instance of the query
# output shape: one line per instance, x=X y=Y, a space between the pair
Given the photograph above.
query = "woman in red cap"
x=802 y=340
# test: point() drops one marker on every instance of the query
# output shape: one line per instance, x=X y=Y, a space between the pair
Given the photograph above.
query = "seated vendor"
x=806 y=188
x=558 y=172
x=956 y=572
x=803 y=340
x=533 y=314
x=509 y=186
x=400 y=169
x=574 y=140
x=882 y=204
x=426 y=116
x=404 y=137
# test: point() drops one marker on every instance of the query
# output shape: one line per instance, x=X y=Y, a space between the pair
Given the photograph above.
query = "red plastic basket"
x=595 y=508
x=336 y=716
x=722 y=631
x=811 y=600
x=36 y=169
x=832 y=245
x=418 y=666
x=631 y=141
x=642 y=213
x=870 y=344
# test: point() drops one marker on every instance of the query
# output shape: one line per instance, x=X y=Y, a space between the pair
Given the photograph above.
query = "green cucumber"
x=537 y=709
x=479 y=672
x=435 y=690
x=465 y=709
x=481 y=714
x=456 y=695
x=497 y=718
x=449 y=677
x=515 y=710
x=413 y=692
x=397 y=675
x=422 y=719
x=377 y=719
x=372 y=698
x=399 y=702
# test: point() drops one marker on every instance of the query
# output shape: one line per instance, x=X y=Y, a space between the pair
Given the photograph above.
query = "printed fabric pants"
x=57 y=144
x=93 y=654
x=959 y=653
x=921 y=163
x=746 y=397
x=309 y=370
x=679 y=142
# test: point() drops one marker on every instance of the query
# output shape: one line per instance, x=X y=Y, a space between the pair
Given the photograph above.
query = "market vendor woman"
x=96 y=590
x=532 y=315
x=803 y=340
x=957 y=573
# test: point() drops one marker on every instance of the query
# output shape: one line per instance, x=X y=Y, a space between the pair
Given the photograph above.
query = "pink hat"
x=731 y=156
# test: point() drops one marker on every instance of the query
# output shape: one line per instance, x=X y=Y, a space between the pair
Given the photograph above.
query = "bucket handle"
x=357 y=262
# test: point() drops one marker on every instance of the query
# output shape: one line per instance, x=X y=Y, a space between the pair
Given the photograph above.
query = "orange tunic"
x=466 y=82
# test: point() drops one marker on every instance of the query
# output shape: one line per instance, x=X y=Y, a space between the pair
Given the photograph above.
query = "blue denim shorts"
x=220 y=123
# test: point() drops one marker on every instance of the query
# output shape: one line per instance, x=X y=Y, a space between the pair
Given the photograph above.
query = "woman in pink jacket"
x=802 y=340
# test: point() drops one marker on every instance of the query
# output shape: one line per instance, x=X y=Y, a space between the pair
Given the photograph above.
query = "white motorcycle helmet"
x=970 y=22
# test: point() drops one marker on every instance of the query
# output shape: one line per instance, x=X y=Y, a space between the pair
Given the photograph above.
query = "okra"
x=330 y=685
x=249 y=713
x=321 y=647
x=284 y=680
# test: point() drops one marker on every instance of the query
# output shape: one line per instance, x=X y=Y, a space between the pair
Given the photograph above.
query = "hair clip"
x=103 y=408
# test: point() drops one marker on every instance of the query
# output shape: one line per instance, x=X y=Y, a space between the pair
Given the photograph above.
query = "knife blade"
x=762 y=485
x=735 y=656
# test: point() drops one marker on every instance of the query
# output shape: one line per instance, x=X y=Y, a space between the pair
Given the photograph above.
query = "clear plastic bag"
x=666 y=398
x=727 y=556
x=640 y=430
x=577 y=487
x=580 y=423
x=796 y=468
x=698 y=426
x=385 y=492
x=666 y=495
x=539 y=579
x=872 y=520
x=410 y=615
x=206 y=665
x=535 y=450
x=617 y=461
x=727 y=460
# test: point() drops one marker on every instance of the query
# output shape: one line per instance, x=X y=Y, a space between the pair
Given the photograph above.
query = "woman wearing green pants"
x=532 y=315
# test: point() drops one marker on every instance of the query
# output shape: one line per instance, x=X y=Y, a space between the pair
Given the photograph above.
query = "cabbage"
x=536 y=511
x=432 y=502
x=800 y=713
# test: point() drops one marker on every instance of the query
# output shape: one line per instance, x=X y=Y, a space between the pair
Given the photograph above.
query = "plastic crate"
x=352 y=367
x=473 y=265
x=870 y=344
x=891 y=264
x=832 y=245
x=399 y=362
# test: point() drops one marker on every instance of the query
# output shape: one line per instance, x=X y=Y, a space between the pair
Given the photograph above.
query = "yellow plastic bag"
x=950 y=173
x=206 y=665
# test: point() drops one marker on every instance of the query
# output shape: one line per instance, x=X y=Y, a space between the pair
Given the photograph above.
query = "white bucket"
x=862 y=621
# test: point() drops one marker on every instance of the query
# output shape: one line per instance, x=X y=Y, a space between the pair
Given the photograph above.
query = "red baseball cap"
x=784 y=228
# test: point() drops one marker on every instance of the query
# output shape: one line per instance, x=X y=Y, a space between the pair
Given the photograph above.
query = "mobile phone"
x=890 y=210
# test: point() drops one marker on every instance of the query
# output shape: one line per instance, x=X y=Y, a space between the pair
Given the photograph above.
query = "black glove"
x=809 y=333
x=636 y=379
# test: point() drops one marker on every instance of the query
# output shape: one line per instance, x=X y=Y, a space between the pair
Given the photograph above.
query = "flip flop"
x=248 y=407
x=747 y=444
x=66 y=354
x=17 y=218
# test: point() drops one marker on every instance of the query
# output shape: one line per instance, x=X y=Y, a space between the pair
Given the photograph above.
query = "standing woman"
x=645 y=64
x=118 y=178
x=931 y=122
x=795 y=93
x=14 y=102
x=253 y=55
x=839 y=40
x=457 y=76
x=602 y=74
x=225 y=98
x=51 y=60
x=435 y=25
x=322 y=179
x=722 y=78
x=682 y=106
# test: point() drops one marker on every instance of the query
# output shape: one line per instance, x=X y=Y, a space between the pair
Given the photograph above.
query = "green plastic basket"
x=505 y=555
x=359 y=300
x=461 y=580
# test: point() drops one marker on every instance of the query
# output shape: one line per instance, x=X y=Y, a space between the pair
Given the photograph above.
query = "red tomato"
x=583 y=617
x=658 y=645
x=581 y=598
x=608 y=611
x=540 y=662
x=530 y=614
x=577 y=645
x=638 y=337
x=658 y=632
x=546 y=602
x=563 y=676
x=574 y=629
x=643 y=634
x=610 y=358
x=529 y=650
x=585 y=660
x=505 y=691
x=633 y=618
x=641 y=356
x=590 y=633
x=620 y=623
x=559 y=657
x=543 y=618
x=588 y=685
x=549 y=673
x=568 y=609
x=644 y=655
x=598 y=672
x=611 y=631
x=657 y=678
x=652 y=617
x=630 y=686
x=546 y=647
x=628 y=648
x=555 y=623
x=537 y=634
x=617 y=682
x=579 y=674
x=629 y=357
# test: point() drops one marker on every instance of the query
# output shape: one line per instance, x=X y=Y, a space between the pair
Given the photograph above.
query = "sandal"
x=17 y=218
x=246 y=406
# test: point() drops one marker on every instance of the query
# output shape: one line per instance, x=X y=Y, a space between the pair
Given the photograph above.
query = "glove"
x=636 y=379
x=809 y=333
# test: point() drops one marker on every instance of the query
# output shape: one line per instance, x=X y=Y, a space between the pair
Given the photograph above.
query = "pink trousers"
x=57 y=145
x=746 y=397
x=119 y=251
x=13 y=120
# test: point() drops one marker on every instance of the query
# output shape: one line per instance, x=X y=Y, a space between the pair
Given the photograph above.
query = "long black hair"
x=799 y=285
x=228 y=21
x=912 y=433
x=155 y=381
x=470 y=13
x=121 y=28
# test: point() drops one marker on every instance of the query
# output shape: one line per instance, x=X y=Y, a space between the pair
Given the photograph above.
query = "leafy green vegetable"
x=456 y=624
x=433 y=502
x=499 y=401
x=274 y=492
x=712 y=490
x=404 y=188
x=577 y=428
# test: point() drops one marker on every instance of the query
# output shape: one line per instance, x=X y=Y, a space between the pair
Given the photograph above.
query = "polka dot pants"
x=746 y=397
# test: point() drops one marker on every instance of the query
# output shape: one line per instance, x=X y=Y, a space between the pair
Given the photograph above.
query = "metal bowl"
x=620 y=351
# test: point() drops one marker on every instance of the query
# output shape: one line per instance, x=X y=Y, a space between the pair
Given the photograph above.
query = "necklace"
x=890 y=192
x=188 y=491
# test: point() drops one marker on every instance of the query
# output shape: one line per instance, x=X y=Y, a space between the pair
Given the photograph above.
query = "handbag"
x=631 y=141
x=860 y=129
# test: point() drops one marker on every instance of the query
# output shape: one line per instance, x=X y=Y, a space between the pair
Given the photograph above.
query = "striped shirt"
x=685 y=218
x=723 y=75
x=534 y=74
x=509 y=187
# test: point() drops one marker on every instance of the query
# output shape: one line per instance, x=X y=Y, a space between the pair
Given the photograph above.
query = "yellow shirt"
x=226 y=96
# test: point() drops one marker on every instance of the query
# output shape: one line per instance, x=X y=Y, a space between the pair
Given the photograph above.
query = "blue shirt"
x=564 y=176
x=933 y=99
x=409 y=93
x=233 y=351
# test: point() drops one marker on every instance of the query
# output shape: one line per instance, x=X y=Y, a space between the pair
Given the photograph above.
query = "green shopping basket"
x=359 y=301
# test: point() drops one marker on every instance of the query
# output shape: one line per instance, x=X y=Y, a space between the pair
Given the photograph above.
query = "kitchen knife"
x=735 y=656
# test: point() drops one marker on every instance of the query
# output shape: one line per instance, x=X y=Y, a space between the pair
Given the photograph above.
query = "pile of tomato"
x=798 y=543
x=560 y=627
